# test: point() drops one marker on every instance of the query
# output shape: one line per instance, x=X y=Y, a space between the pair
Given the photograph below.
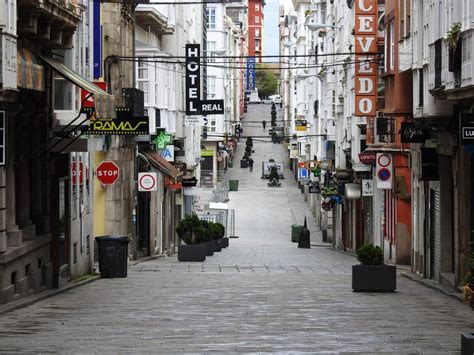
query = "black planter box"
x=244 y=163
x=467 y=343
x=195 y=252
x=209 y=248
x=218 y=244
x=380 y=278
x=225 y=242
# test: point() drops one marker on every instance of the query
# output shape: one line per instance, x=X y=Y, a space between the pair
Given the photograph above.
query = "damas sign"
x=366 y=57
x=193 y=80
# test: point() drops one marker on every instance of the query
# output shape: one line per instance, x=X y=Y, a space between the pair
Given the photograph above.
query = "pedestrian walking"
x=264 y=123
x=250 y=164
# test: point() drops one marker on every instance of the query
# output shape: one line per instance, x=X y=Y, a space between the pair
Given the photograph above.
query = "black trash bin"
x=113 y=254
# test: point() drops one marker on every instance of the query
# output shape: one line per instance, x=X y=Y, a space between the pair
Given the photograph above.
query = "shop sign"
x=294 y=154
x=212 y=107
x=467 y=129
x=167 y=153
x=161 y=140
x=193 y=79
x=147 y=182
x=314 y=189
x=303 y=174
x=121 y=126
x=251 y=73
x=192 y=182
x=367 y=187
x=207 y=153
x=367 y=158
x=410 y=133
x=300 y=125
x=429 y=164
x=366 y=31
x=90 y=100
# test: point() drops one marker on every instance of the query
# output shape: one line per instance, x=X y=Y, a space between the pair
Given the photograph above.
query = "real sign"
x=193 y=79
x=212 y=107
x=147 y=182
x=366 y=49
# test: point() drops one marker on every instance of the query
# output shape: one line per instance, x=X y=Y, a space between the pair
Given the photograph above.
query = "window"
x=257 y=19
x=211 y=18
x=257 y=45
x=257 y=32
x=257 y=7
x=392 y=46
x=405 y=18
x=211 y=47
x=143 y=80
x=211 y=86
x=212 y=124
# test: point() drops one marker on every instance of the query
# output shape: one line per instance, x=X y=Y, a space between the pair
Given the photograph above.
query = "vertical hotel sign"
x=366 y=57
x=193 y=80
x=251 y=74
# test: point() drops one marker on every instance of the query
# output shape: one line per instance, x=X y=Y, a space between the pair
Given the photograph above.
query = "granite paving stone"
x=262 y=294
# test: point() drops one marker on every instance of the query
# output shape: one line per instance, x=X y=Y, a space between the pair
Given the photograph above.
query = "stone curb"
x=43 y=295
x=445 y=290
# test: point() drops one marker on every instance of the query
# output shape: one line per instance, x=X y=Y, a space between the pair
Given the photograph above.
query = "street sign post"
x=107 y=173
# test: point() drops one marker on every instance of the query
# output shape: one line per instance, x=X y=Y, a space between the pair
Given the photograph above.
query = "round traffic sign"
x=384 y=174
x=384 y=160
x=146 y=181
x=107 y=172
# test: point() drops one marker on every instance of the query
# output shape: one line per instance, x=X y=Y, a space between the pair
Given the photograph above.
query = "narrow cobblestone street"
x=262 y=294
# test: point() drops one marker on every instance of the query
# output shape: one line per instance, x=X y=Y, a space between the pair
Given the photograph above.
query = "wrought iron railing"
x=385 y=129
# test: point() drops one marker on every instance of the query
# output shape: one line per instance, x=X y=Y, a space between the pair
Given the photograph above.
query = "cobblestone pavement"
x=262 y=294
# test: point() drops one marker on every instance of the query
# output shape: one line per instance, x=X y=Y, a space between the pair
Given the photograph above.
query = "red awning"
x=161 y=164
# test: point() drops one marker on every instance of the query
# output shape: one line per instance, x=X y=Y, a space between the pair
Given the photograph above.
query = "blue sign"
x=251 y=74
x=97 y=41
x=303 y=173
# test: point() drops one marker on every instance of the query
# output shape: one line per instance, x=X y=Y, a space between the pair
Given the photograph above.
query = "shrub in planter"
x=372 y=274
x=206 y=237
x=190 y=231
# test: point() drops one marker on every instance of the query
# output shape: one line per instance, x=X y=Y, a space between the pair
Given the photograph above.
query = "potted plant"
x=372 y=274
x=215 y=234
x=274 y=177
x=189 y=232
x=225 y=240
x=206 y=237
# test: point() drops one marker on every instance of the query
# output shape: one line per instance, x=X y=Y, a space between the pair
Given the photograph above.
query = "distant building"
x=255 y=28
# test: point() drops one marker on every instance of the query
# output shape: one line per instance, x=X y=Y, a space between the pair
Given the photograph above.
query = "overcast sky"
x=271 y=29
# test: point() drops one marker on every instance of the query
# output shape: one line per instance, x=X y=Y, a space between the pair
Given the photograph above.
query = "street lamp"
x=318 y=26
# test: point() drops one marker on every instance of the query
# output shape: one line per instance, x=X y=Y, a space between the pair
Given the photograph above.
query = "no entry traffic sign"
x=107 y=173
x=147 y=182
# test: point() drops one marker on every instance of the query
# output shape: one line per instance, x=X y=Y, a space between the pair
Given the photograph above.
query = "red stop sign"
x=107 y=172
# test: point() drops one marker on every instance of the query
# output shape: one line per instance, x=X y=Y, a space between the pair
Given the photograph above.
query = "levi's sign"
x=366 y=49
x=193 y=80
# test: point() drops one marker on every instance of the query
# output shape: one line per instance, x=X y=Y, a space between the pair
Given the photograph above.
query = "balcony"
x=150 y=17
x=53 y=22
x=385 y=132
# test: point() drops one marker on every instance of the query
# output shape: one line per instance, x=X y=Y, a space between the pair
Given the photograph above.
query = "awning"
x=30 y=74
x=161 y=164
x=104 y=103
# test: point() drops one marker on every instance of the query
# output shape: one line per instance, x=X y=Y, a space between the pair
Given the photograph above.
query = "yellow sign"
x=207 y=153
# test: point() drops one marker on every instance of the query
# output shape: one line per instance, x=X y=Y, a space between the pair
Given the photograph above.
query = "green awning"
x=104 y=103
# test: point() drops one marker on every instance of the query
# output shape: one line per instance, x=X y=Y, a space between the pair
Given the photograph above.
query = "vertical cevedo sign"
x=366 y=57
x=193 y=80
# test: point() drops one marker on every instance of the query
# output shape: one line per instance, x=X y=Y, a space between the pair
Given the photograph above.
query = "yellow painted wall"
x=98 y=220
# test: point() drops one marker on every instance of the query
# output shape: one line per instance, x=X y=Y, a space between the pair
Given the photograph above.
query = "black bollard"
x=304 y=240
